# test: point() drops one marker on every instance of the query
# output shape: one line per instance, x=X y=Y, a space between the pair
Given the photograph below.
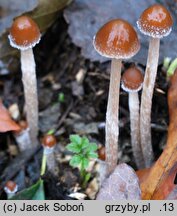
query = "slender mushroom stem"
x=23 y=139
x=146 y=100
x=51 y=163
x=102 y=171
x=30 y=90
x=112 y=115
x=135 y=129
x=44 y=163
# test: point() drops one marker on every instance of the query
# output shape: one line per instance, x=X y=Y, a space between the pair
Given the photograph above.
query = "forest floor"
x=73 y=96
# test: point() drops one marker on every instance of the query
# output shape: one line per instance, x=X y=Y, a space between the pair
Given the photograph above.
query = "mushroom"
x=101 y=153
x=117 y=40
x=10 y=188
x=24 y=35
x=132 y=81
x=155 y=22
x=49 y=143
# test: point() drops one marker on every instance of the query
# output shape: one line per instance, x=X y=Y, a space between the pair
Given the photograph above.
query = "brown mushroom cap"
x=132 y=80
x=101 y=153
x=49 y=141
x=155 y=21
x=11 y=186
x=24 y=33
x=116 y=39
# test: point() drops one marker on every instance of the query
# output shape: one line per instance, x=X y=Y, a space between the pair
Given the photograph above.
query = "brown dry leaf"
x=122 y=184
x=165 y=187
x=47 y=11
x=143 y=174
x=6 y=123
x=159 y=182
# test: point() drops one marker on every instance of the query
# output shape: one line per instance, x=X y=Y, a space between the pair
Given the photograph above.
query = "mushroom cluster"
x=118 y=40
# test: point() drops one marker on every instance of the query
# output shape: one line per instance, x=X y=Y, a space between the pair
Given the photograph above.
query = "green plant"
x=172 y=67
x=83 y=151
x=166 y=63
x=61 y=97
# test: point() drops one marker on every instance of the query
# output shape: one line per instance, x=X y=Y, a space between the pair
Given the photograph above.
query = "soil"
x=59 y=68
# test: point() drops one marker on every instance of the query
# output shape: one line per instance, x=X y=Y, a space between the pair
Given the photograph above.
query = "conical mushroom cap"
x=116 y=39
x=24 y=33
x=155 y=21
x=132 y=80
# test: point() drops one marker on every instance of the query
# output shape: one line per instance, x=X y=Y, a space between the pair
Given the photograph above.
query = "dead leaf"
x=6 y=123
x=85 y=17
x=47 y=11
x=122 y=184
x=44 y=12
x=92 y=189
x=143 y=174
x=159 y=182
x=165 y=187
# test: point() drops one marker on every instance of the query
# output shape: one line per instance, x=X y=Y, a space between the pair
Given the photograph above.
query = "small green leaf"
x=75 y=160
x=51 y=132
x=75 y=139
x=73 y=147
x=61 y=97
x=92 y=155
x=172 y=67
x=166 y=62
x=92 y=147
x=39 y=195
x=84 y=163
x=35 y=192
x=87 y=177
x=85 y=142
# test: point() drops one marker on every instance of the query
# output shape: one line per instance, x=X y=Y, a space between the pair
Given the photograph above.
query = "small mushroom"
x=117 y=40
x=156 y=22
x=101 y=153
x=49 y=143
x=132 y=81
x=10 y=188
x=24 y=35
